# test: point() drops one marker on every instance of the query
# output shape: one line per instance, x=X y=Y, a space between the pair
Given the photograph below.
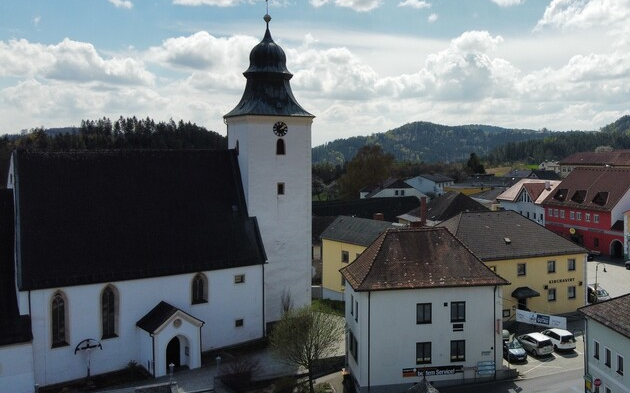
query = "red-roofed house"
x=588 y=206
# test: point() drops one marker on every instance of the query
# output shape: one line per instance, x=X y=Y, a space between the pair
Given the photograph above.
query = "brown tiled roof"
x=615 y=158
x=448 y=205
x=593 y=188
x=496 y=235
x=417 y=258
x=534 y=189
x=613 y=313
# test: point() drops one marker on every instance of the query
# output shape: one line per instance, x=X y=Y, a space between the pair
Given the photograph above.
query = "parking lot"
x=611 y=275
x=557 y=361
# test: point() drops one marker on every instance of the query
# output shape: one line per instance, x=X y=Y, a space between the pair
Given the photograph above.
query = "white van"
x=561 y=339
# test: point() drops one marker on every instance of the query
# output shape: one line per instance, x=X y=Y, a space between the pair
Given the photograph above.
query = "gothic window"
x=59 y=320
x=199 y=289
x=109 y=312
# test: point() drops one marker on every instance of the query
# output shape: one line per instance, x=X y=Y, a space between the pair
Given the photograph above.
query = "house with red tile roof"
x=615 y=158
x=419 y=302
x=525 y=197
x=588 y=207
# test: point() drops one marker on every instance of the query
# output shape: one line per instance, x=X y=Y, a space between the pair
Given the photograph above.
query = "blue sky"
x=360 y=66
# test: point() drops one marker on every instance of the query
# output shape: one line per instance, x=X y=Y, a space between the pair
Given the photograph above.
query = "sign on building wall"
x=533 y=318
x=431 y=371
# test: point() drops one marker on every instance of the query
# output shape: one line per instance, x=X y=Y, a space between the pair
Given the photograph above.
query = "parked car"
x=602 y=294
x=627 y=263
x=513 y=351
x=536 y=343
x=561 y=339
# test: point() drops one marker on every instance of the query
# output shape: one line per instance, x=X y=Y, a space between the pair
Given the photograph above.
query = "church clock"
x=280 y=128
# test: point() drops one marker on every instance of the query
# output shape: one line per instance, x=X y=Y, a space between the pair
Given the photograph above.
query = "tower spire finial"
x=267 y=1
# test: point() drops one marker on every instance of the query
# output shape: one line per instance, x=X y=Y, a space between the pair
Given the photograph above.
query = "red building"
x=588 y=206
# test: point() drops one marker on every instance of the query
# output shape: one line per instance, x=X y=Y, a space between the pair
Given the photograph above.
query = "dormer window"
x=579 y=196
x=601 y=198
x=561 y=194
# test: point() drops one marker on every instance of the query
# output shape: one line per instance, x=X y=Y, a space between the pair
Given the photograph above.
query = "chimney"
x=423 y=211
x=379 y=216
x=547 y=185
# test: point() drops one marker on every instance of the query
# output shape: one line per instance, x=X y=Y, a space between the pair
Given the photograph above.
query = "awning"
x=524 y=292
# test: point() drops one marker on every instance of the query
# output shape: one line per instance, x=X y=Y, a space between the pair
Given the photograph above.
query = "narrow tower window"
x=280 y=147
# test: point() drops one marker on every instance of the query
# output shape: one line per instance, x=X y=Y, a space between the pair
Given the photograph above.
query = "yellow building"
x=546 y=271
x=342 y=242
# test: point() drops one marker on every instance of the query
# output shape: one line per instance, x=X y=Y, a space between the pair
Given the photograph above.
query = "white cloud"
x=203 y=51
x=121 y=3
x=356 y=5
x=574 y=14
x=36 y=20
x=432 y=18
x=507 y=3
x=414 y=4
x=70 y=61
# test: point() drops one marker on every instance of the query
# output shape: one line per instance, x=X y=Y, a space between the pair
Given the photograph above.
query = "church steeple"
x=268 y=91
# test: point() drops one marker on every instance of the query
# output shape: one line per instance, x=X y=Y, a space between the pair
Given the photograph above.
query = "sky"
x=360 y=66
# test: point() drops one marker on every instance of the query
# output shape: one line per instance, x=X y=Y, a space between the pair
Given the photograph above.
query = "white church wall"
x=284 y=220
x=227 y=302
x=16 y=368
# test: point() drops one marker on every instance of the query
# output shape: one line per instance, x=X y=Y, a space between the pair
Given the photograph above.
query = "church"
x=152 y=257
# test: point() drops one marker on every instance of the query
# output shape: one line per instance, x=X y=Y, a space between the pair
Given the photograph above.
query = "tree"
x=371 y=165
x=474 y=165
x=304 y=336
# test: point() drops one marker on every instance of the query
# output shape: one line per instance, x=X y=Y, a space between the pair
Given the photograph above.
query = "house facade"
x=432 y=185
x=153 y=257
x=392 y=188
x=546 y=271
x=608 y=346
x=342 y=242
x=587 y=207
x=526 y=196
x=422 y=286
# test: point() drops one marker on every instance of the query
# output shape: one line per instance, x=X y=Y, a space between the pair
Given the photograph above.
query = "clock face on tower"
x=280 y=128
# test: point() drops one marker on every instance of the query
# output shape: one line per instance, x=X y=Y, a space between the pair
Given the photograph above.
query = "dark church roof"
x=391 y=208
x=268 y=91
x=101 y=216
x=14 y=328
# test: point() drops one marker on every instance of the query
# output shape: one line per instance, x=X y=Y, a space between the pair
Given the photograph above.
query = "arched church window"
x=280 y=147
x=59 y=320
x=199 y=289
x=109 y=312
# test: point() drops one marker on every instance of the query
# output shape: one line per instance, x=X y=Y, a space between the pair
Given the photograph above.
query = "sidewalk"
x=202 y=379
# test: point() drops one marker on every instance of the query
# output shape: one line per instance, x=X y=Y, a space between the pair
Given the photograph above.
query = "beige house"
x=342 y=242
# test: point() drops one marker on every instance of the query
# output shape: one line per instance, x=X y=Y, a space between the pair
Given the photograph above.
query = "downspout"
x=153 y=350
x=264 y=323
x=494 y=344
x=369 y=341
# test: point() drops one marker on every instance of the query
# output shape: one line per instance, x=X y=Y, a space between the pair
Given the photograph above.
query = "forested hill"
x=562 y=144
x=428 y=142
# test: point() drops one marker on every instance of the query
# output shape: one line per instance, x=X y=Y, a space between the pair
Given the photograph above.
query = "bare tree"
x=304 y=336
x=286 y=301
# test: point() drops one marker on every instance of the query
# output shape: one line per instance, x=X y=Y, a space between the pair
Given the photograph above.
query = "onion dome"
x=268 y=91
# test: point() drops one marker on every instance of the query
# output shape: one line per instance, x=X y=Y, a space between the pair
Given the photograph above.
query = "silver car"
x=536 y=343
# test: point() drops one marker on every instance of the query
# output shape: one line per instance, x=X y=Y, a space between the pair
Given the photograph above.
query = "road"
x=565 y=382
x=615 y=279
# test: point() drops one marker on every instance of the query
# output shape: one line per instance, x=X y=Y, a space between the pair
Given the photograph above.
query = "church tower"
x=272 y=134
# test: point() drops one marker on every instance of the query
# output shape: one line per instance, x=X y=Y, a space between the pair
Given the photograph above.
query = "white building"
x=155 y=256
x=392 y=188
x=432 y=185
x=526 y=196
x=608 y=345
x=418 y=301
